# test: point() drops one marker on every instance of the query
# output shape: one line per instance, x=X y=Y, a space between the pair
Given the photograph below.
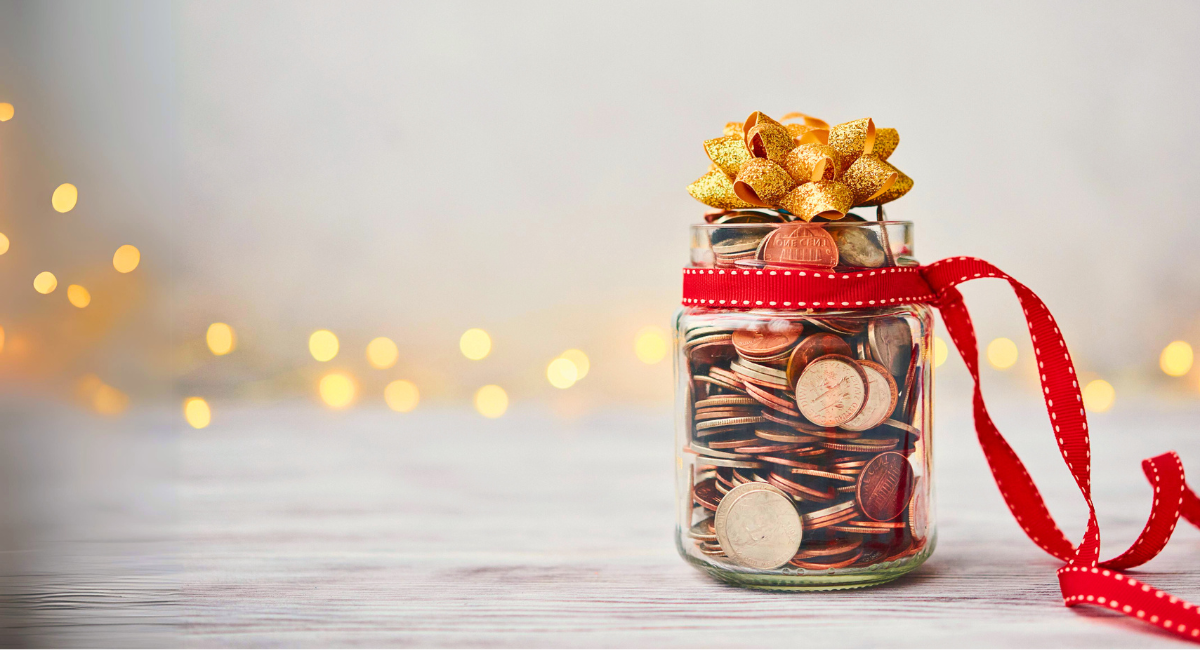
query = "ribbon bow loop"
x=806 y=168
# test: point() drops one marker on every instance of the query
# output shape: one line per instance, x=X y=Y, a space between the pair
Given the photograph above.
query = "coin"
x=725 y=400
x=703 y=531
x=733 y=444
x=800 y=245
x=725 y=462
x=798 y=489
x=758 y=527
x=881 y=398
x=712 y=453
x=728 y=422
x=885 y=486
x=850 y=446
x=831 y=390
x=770 y=400
x=891 y=344
x=819 y=566
x=812 y=347
x=780 y=436
x=843 y=507
x=858 y=247
x=705 y=493
x=764 y=342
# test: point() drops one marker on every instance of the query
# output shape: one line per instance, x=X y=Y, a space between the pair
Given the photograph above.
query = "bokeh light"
x=78 y=296
x=323 y=345
x=338 y=389
x=382 y=353
x=582 y=364
x=650 y=345
x=3 y=243
x=221 y=339
x=1002 y=353
x=475 y=344
x=108 y=400
x=491 y=401
x=940 y=351
x=401 y=396
x=1 y=339
x=126 y=258
x=1176 y=359
x=6 y=111
x=64 y=198
x=562 y=373
x=196 y=412
x=45 y=282
x=1098 y=396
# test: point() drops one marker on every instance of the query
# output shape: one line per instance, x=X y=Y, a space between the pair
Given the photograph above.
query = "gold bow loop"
x=801 y=165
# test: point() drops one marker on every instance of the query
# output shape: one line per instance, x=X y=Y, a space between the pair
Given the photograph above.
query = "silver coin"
x=700 y=531
x=858 y=247
x=891 y=344
x=758 y=527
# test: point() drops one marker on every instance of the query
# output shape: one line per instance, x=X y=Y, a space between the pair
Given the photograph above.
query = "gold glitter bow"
x=802 y=165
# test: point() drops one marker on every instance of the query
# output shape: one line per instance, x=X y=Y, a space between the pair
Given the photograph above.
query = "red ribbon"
x=1085 y=580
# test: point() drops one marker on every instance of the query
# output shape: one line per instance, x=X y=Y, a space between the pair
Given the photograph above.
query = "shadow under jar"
x=804 y=436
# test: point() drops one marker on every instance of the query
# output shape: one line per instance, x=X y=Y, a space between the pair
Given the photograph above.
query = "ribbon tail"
x=1083 y=581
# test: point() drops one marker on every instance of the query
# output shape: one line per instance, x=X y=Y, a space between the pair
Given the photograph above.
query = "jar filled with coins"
x=804 y=434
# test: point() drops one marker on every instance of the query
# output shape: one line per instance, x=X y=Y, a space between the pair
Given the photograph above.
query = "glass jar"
x=803 y=447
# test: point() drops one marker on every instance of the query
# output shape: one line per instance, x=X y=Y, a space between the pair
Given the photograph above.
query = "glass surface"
x=803 y=446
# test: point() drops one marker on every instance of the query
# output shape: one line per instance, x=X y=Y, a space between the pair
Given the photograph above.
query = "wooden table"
x=295 y=526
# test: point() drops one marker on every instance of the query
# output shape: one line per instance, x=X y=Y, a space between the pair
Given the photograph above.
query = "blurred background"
x=215 y=208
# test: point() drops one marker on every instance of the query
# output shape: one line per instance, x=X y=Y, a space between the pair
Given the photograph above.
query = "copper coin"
x=885 y=486
x=827 y=548
x=781 y=436
x=850 y=446
x=822 y=566
x=881 y=398
x=831 y=390
x=705 y=493
x=812 y=347
x=733 y=444
x=764 y=342
x=765 y=449
x=769 y=399
x=800 y=245
x=808 y=471
x=804 y=490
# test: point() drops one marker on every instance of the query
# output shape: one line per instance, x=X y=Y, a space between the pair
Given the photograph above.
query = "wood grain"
x=294 y=526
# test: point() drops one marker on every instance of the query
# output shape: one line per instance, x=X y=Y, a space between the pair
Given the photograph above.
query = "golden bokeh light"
x=6 y=111
x=45 y=282
x=221 y=339
x=940 y=351
x=401 y=396
x=491 y=401
x=3 y=243
x=382 y=353
x=582 y=364
x=650 y=345
x=475 y=344
x=78 y=296
x=196 y=412
x=1176 y=359
x=108 y=400
x=562 y=373
x=1002 y=353
x=127 y=258
x=1 y=339
x=323 y=345
x=1098 y=396
x=64 y=198
x=338 y=389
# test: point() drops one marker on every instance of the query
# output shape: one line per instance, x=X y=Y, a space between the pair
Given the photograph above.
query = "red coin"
x=764 y=342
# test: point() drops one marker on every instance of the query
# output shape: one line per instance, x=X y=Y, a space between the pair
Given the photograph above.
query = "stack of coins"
x=802 y=429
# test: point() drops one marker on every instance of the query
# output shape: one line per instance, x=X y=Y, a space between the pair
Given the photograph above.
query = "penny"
x=705 y=493
x=710 y=454
x=765 y=449
x=779 y=436
x=718 y=383
x=831 y=390
x=881 y=398
x=732 y=444
x=770 y=400
x=764 y=342
x=800 y=245
x=826 y=549
x=891 y=344
x=844 y=528
x=812 y=347
x=786 y=462
x=885 y=486
x=724 y=412
x=848 y=446
x=758 y=527
x=822 y=566
x=816 y=472
x=792 y=486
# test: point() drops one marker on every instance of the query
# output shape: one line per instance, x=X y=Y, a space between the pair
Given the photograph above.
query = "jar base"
x=795 y=579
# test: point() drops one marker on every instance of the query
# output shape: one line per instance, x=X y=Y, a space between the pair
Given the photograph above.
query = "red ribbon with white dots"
x=1085 y=580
